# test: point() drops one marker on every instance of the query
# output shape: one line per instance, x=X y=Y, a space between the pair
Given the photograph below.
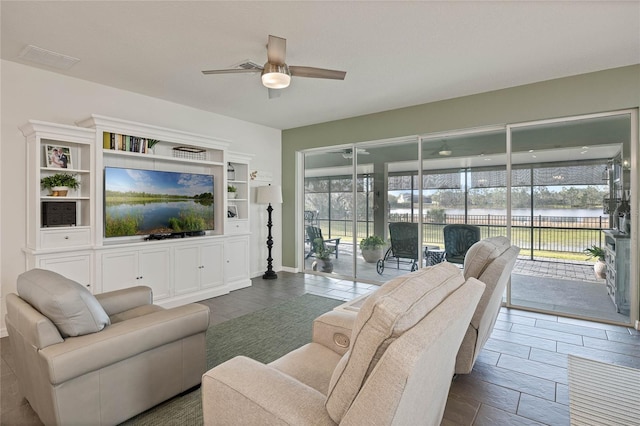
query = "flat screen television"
x=144 y=202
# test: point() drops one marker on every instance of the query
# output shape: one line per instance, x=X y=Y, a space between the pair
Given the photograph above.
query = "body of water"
x=518 y=212
x=156 y=215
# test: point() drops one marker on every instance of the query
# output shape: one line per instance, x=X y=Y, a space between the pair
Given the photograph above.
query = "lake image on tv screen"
x=142 y=202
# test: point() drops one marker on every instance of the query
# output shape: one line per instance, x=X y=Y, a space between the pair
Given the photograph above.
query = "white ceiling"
x=396 y=53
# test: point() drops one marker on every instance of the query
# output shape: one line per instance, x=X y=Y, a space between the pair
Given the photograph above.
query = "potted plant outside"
x=232 y=191
x=600 y=267
x=59 y=184
x=323 y=256
x=372 y=248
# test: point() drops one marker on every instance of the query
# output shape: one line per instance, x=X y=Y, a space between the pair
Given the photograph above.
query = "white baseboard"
x=637 y=325
x=292 y=270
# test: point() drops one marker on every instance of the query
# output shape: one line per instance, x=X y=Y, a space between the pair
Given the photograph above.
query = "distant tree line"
x=140 y=195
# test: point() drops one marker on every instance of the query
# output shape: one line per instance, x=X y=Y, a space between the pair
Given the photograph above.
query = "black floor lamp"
x=269 y=195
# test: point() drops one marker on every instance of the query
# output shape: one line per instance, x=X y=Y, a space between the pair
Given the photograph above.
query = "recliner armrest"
x=115 y=302
x=244 y=391
x=83 y=354
x=333 y=330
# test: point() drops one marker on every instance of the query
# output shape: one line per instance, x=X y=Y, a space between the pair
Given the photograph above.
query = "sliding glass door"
x=569 y=180
x=347 y=199
x=562 y=190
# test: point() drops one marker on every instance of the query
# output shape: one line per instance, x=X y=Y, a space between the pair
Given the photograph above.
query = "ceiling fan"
x=348 y=152
x=276 y=74
x=443 y=151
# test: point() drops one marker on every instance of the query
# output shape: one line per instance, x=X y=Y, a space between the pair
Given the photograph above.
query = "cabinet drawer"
x=70 y=237
x=237 y=226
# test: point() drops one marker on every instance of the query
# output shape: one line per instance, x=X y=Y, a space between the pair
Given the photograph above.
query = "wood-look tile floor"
x=520 y=377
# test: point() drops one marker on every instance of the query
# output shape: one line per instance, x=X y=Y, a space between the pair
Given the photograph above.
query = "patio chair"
x=404 y=245
x=313 y=233
x=311 y=217
x=458 y=239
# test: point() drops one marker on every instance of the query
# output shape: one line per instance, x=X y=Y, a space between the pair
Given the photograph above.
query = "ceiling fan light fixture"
x=445 y=151
x=276 y=76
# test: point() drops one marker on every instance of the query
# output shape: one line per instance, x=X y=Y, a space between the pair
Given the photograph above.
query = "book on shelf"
x=118 y=142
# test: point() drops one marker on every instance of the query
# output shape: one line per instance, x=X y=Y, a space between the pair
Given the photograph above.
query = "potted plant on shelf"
x=371 y=248
x=600 y=267
x=59 y=184
x=232 y=191
x=323 y=256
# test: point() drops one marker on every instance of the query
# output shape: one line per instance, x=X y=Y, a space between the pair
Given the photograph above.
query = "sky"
x=156 y=182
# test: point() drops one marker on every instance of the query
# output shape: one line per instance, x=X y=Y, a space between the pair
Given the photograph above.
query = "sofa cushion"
x=482 y=253
x=394 y=308
x=68 y=304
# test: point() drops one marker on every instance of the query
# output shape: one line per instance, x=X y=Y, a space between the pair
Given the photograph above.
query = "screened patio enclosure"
x=549 y=187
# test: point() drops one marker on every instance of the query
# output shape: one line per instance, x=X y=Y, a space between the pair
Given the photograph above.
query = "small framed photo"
x=58 y=157
x=232 y=212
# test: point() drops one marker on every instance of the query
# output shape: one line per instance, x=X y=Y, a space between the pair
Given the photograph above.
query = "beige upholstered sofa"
x=85 y=360
x=392 y=365
x=491 y=261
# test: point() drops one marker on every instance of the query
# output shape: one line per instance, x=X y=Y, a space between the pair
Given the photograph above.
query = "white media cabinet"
x=179 y=270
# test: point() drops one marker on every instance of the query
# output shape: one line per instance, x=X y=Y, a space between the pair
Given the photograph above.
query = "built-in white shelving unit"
x=180 y=270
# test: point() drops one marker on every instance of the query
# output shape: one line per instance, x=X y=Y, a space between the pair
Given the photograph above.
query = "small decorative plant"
x=322 y=251
x=371 y=243
x=599 y=267
x=231 y=188
x=595 y=252
x=60 y=179
x=371 y=248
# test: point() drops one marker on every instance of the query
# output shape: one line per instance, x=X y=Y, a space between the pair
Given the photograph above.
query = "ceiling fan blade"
x=316 y=72
x=231 y=71
x=274 y=93
x=276 y=50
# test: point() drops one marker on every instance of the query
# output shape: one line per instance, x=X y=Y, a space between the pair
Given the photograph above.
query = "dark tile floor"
x=520 y=377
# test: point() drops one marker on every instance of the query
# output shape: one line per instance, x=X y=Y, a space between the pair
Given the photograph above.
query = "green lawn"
x=555 y=243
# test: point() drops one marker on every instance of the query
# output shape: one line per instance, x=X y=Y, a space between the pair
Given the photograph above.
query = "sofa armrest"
x=333 y=330
x=83 y=354
x=114 y=302
x=244 y=391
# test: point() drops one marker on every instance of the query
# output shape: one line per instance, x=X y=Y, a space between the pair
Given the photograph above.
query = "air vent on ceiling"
x=47 y=57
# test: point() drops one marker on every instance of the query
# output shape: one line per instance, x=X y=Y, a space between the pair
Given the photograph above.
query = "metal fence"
x=533 y=234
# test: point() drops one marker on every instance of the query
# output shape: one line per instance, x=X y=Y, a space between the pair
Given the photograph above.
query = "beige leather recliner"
x=392 y=365
x=85 y=360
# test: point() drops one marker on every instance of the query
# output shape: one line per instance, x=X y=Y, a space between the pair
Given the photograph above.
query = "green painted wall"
x=601 y=91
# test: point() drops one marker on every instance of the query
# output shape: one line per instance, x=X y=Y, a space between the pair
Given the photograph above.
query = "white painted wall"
x=31 y=93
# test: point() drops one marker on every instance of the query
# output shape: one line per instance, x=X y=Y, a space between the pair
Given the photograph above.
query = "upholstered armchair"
x=391 y=363
x=85 y=360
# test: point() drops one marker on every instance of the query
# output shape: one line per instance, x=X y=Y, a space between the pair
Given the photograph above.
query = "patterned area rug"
x=263 y=335
x=603 y=394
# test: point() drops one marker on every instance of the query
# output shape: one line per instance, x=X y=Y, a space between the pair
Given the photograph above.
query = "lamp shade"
x=269 y=194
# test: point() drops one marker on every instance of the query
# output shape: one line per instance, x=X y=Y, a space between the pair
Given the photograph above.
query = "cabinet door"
x=211 y=260
x=155 y=271
x=119 y=270
x=236 y=268
x=186 y=269
x=76 y=267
